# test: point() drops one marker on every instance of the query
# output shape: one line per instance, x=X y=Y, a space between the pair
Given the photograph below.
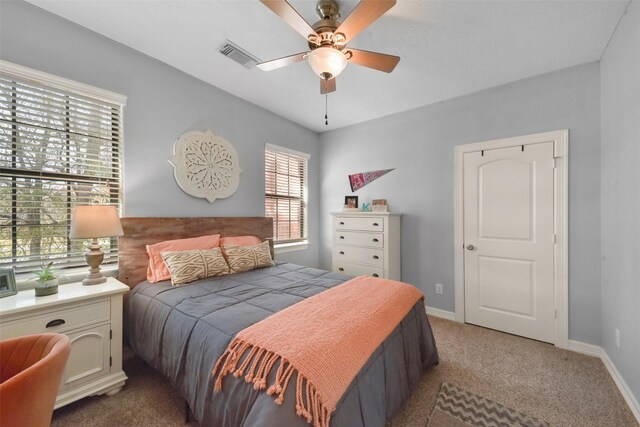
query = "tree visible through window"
x=58 y=149
x=286 y=193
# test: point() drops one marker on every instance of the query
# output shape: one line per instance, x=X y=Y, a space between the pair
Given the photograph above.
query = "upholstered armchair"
x=31 y=369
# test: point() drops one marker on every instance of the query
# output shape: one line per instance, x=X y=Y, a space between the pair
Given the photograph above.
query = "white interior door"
x=509 y=240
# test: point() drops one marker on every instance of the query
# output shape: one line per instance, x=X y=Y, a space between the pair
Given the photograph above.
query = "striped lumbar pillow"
x=246 y=258
x=187 y=266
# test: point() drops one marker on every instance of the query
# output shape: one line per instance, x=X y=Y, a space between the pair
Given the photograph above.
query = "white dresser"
x=91 y=316
x=367 y=243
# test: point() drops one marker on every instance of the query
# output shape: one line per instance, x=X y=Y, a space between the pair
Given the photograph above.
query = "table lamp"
x=93 y=222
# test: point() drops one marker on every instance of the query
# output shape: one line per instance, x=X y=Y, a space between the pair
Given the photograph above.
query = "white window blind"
x=58 y=149
x=286 y=193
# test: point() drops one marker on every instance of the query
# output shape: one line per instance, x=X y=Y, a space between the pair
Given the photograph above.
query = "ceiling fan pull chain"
x=326 y=101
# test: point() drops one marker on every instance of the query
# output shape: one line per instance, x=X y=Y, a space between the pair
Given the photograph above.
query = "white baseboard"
x=622 y=385
x=584 y=348
x=597 y=351
x=444 y=314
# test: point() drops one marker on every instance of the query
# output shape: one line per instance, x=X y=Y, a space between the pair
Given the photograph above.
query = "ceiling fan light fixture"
x=327 y=62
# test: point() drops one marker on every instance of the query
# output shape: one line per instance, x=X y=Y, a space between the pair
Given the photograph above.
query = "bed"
x=182 y=331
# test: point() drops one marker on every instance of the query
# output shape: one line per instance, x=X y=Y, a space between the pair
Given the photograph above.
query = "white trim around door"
x=560 y=141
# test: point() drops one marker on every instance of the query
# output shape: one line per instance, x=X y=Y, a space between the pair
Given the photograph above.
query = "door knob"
x=471 y=247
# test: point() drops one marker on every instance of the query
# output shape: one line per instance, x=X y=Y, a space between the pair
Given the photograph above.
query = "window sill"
x=26 y=281
x=283 y=248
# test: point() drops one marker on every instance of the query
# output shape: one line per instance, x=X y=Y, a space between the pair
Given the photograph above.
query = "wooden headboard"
x=139 y=232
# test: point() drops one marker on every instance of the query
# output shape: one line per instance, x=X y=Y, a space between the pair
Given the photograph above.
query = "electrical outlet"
x=439 y=289
x=617 y=338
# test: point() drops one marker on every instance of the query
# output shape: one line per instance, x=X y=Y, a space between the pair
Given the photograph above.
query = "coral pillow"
x=240 y=241
x=157 y=270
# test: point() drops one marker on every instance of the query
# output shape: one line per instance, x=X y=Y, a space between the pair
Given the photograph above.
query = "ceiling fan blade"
x=362 y=16
x=375 y=60
x=285 y=11
x=282 y=62
x=327 y=86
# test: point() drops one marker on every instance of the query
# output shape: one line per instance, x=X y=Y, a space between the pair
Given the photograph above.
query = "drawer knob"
x=376 y=257
x=340 y=268
x=341 y=222
x=375 y=275
x=341 y=253
x=374 y=240
x=55 y=322
x=341 y=237
x=375 y=224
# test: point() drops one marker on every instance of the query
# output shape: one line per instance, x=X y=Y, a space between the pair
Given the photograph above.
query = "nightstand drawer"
x=58 y=320
x=372 y=240
x=354 y=269
x=360 y=255
x=364 y=224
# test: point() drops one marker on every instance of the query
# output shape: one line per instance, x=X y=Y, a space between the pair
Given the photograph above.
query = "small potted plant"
x=47 y=283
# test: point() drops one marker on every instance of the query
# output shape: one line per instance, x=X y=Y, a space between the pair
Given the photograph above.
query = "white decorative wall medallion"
x=205 y=165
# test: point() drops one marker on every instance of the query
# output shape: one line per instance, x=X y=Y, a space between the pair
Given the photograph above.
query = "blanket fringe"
x=258 y=364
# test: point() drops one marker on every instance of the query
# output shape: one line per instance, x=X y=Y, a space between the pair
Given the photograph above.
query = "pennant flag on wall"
x=359 y=180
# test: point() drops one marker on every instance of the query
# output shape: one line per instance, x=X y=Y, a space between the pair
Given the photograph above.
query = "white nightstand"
x=91 y=316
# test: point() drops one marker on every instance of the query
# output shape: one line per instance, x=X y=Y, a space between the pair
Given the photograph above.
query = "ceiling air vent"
x=238 y=54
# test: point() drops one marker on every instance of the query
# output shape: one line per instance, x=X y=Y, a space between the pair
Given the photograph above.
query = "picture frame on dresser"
x=379 y=205
x=351 y=202
x=7 y=282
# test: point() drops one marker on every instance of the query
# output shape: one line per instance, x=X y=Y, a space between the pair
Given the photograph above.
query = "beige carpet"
x=558 y=386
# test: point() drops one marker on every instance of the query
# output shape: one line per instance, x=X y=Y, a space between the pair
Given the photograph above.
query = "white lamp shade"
x=327 y=60
x=89 y=222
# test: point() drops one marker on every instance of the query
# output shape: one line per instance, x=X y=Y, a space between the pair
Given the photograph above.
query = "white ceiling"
x=448 y=48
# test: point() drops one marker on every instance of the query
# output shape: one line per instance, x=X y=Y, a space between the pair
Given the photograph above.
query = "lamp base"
x=91 y=280
x=94 y=257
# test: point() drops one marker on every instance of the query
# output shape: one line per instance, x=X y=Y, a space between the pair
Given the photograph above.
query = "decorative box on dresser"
x=367 y=243
x=91 y=316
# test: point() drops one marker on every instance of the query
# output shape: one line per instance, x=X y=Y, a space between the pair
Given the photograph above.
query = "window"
x=285 y=177
x=60 y=146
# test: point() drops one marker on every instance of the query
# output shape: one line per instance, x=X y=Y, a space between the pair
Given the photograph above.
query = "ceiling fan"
x=328 y=38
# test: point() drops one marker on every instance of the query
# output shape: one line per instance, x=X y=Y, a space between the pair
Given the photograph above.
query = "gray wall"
x=419 y=144
x=620 y=74
x=163 y=103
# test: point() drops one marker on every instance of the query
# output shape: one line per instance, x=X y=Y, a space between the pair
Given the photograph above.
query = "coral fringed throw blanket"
x=326 y=339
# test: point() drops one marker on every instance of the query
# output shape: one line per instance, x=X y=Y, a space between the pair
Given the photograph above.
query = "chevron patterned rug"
x=459 y=408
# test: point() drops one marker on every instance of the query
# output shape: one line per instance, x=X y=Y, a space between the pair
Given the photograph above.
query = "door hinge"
x=111 y=334
x=110 y=361
x=555 y=313
x=555 y=238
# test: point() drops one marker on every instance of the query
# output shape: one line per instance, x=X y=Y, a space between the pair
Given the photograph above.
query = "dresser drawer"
x=364 y=224
x=361 y=255
x=58 y=320
x=372 y=240
x=354 y=269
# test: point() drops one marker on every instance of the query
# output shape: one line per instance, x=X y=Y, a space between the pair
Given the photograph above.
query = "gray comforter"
x=182 y=331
